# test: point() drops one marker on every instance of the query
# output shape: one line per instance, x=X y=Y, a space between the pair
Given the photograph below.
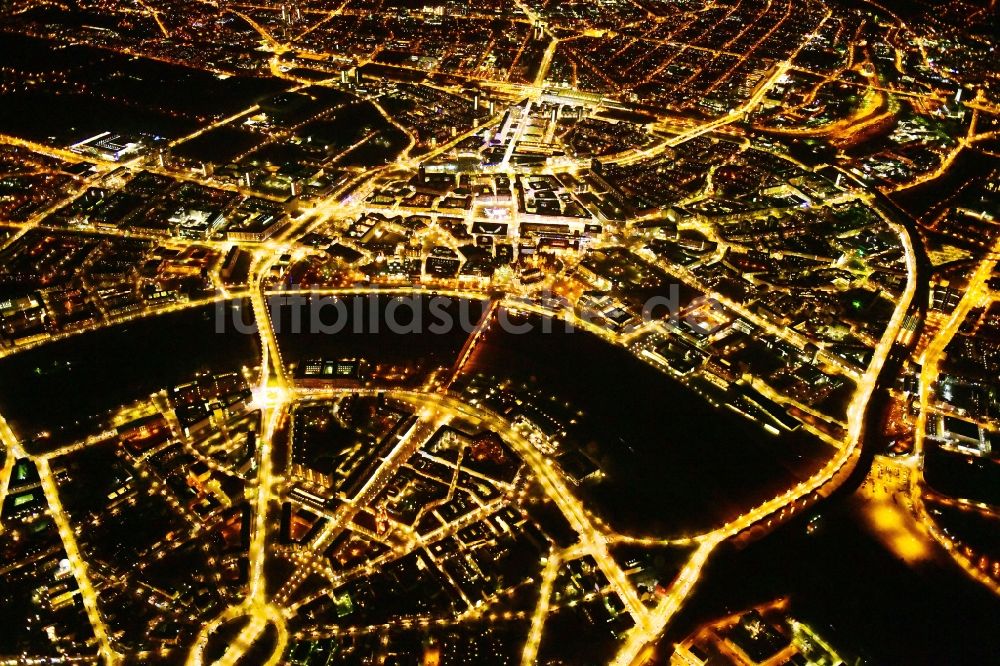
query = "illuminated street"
x=499 y=332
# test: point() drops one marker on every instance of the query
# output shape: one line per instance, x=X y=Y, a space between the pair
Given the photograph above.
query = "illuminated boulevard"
x=785 y=211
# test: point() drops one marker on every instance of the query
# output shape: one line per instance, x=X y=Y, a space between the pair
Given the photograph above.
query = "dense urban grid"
x=499 y=332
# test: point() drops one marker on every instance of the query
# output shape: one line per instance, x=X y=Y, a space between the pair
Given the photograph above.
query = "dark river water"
x=63 y=384
x=674 y=464
x=382 y=329
x=855 y=592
